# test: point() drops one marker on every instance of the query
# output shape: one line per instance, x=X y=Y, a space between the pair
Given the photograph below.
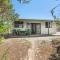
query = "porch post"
x=25 y=24
x=48 y=28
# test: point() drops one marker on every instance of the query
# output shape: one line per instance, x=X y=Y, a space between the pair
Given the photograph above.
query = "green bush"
x=28 y=31
x=21 y=32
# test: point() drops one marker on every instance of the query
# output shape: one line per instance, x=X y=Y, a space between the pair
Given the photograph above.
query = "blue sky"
x=36 y=9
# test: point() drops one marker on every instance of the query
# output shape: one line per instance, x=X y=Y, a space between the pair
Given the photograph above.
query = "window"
x=48 y=24
x=18 y=24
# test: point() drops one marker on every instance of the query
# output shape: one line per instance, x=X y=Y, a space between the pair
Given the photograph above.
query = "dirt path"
x=25 y=48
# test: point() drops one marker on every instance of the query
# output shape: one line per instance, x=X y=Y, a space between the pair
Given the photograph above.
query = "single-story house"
x=35 y=26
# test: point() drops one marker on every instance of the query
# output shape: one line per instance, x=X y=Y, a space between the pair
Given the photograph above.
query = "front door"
x=33 y=27
x=36 y=28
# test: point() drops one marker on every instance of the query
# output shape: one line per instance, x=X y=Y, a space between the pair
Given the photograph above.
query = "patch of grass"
x=2 y=40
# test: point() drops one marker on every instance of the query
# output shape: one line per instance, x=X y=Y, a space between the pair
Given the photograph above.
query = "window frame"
x=17 y=24
x=48 y=24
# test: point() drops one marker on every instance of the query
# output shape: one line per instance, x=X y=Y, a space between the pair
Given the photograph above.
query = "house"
x=35 y=26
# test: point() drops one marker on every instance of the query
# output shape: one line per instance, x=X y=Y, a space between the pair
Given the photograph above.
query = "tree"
x=5 y=8
x=7 y=15
x=54 y=15
x=56 y=43
x=53 y=12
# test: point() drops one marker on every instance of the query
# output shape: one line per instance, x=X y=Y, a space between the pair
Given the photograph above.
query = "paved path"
x=57 y=33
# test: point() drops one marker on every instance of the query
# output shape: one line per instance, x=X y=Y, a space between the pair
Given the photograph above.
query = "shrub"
x=28 y=31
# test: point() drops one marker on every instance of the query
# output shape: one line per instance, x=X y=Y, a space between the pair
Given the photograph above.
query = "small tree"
x=7 y=15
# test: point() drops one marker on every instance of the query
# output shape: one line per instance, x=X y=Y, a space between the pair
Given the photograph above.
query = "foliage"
x=5 y=9
x=7 y=16
x=28 y=31
x=22 y=31
x=2 y=40
x=55 y=12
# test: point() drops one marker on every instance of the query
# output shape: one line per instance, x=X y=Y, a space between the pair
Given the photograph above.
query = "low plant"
x=2 y=40
x=28 y=31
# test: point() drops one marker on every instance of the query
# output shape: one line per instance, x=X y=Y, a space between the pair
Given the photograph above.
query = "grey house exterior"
x=36 y=26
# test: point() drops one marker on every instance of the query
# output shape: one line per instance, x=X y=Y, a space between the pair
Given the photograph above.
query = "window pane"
x=50 y=24
x=46 y=24
x=18 y=24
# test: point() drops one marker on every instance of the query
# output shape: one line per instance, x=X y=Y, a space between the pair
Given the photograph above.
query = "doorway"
x=36 y=28
x=33 y=27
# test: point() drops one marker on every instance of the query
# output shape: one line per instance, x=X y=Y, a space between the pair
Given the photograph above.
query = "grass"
x=2 y=40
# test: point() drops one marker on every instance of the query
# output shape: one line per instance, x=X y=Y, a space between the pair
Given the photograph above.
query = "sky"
x=36 y=9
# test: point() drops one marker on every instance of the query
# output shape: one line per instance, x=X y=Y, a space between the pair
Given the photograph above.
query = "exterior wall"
x=43 y=29
x=58 y=27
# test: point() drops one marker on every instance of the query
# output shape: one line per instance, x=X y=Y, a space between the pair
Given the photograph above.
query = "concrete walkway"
x=57 y=33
